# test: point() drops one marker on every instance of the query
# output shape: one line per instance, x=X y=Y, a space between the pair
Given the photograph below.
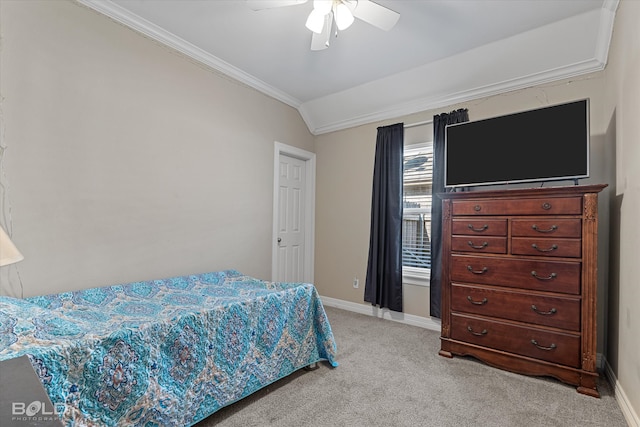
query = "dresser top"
x=567 y=190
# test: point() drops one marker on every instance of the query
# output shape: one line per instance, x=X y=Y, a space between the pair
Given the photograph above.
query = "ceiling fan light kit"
x=342 y=12
x=343 y=16
x=335 y=8
x=323 y=6
x=315 y=21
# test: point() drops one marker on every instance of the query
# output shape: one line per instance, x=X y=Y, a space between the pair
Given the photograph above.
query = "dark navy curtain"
x=384 y=270
x=439 y=123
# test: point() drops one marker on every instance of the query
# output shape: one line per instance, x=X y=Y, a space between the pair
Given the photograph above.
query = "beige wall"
x=126 y=161
x=622 y=113
x=345 y=169
x=345 y=173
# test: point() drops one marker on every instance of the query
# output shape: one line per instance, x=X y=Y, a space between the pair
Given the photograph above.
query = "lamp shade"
x=9 y=254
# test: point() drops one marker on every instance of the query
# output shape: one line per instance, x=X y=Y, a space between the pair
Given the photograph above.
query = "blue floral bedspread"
x=165 y=352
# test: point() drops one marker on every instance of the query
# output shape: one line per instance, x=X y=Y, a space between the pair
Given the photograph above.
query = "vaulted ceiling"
x=439 y=53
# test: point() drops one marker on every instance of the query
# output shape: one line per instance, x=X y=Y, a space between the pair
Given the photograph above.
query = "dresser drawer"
x=543 y=275
x=552 y=346
x=486 y=244
x=546 y=247
x=480 y=227
x=546 y=227
x=559 y=312
x=537 y=206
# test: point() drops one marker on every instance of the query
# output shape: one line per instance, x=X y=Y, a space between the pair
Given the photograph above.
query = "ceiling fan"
x=326 y=13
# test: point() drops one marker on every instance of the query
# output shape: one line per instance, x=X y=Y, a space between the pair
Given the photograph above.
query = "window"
x=416 y=220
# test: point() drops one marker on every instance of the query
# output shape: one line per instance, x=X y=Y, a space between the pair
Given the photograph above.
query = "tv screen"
x=545 y=144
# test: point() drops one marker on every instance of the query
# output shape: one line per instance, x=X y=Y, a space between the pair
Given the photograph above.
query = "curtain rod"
x=412 y=125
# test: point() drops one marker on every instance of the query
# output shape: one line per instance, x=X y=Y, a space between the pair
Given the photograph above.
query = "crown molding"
x=605 y=30
x=430 y=103
x=312 y=111
x=512 y=69
x=163 y=36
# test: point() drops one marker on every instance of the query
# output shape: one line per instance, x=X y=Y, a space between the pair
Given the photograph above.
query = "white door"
x=290 y=235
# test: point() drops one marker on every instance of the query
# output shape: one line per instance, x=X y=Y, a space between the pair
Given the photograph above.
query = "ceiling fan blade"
x=270 y=4
x=374 y=14
x=321 y=41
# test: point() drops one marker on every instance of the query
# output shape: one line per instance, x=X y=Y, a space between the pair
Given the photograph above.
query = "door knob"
x=279 y=240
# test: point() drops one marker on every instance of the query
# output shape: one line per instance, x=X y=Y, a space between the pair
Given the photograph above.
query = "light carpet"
x=390 y=374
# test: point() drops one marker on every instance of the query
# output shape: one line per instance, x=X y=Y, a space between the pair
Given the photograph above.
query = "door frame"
x=309 y=206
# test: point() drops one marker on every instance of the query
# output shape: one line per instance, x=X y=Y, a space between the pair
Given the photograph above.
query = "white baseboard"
x=409 y=319
x=628 y=411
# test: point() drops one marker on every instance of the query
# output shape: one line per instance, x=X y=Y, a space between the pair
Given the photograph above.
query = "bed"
x=166 y=352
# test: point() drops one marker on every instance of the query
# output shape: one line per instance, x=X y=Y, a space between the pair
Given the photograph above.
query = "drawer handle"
x=477 y=208
x=478 y=334
x=478 y=230
x=552 y=248
x=544 y=313
x=483 y=302
x=484 y=270
x=546 y=206
x=551 y=276
x=541 y=347
x=550 y=230
x=484 y=245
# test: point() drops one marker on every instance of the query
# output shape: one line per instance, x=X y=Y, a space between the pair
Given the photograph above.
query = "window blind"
x=416 y=220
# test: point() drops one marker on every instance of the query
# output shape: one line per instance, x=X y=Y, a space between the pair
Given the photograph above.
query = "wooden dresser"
x=519 y=280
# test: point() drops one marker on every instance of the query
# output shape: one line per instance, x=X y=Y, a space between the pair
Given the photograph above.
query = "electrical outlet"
x=356 y=282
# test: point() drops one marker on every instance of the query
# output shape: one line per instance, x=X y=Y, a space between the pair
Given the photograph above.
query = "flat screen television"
x=545 y=144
